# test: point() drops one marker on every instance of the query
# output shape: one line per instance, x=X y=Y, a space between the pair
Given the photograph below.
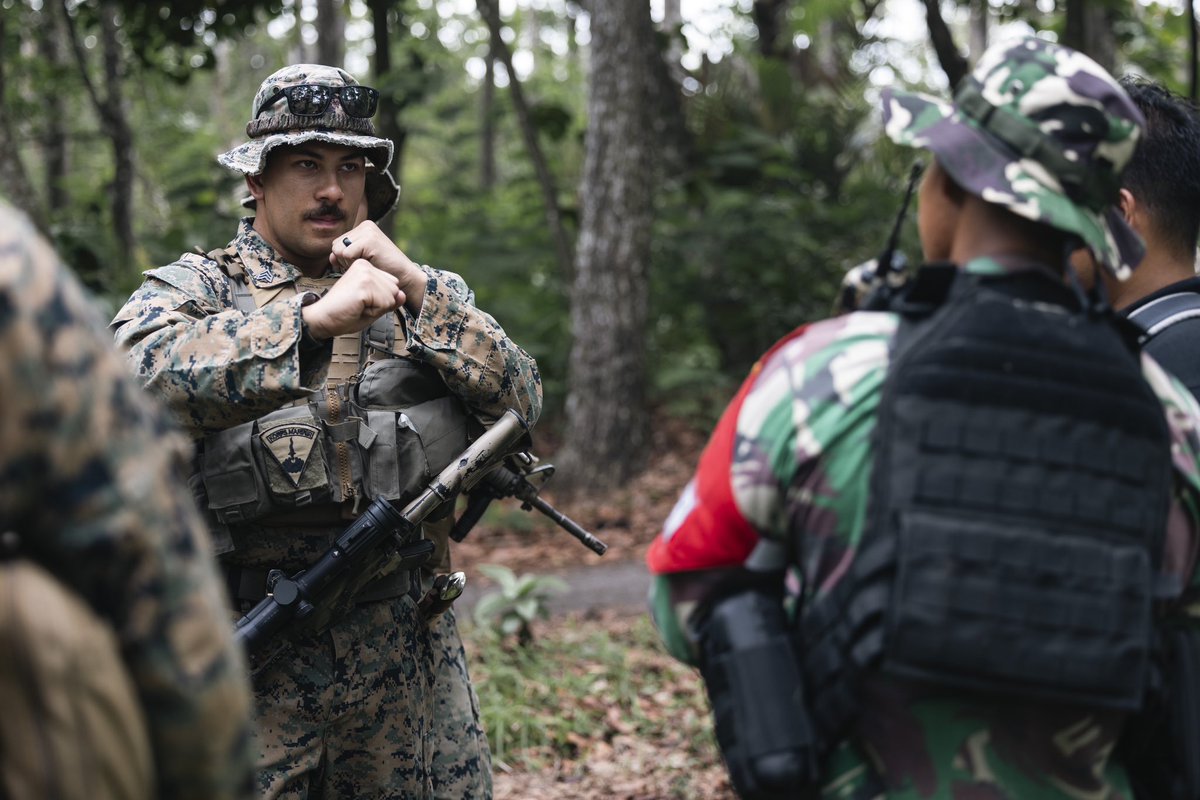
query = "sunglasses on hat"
x=312 y=100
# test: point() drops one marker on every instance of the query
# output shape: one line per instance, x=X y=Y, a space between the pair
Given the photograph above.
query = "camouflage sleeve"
x=214 y=366
x=782 y=482
x=472 y=352
x=1181 y=553
x=91 y=484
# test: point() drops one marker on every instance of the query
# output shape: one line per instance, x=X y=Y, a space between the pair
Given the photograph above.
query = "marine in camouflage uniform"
x=782 y=487
x=119 y=677
x=297 y=435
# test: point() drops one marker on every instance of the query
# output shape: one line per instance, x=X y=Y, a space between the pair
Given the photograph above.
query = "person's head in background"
x=1160 y=194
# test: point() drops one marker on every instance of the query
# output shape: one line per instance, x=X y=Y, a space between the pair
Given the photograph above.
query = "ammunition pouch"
x=396 y=428
x=757 y=696
x=1160 y=747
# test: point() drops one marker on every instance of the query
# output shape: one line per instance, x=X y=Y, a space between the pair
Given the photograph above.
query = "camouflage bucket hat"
x=1041 y=130
x=381 y=189
x=273 y=123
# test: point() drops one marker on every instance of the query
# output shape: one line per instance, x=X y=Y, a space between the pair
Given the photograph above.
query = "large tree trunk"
x=607 y=419
x=1088 y=29
x=390 y=124
x=331 y=33
x=113 y=119
x=490 y=13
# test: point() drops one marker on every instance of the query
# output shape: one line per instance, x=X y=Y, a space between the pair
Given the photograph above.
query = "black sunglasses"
x=312 y=100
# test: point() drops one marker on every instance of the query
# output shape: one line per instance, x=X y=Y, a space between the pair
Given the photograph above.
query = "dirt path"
x=618 y=586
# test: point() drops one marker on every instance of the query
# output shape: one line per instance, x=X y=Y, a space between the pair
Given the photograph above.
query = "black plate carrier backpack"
x=1017 y=506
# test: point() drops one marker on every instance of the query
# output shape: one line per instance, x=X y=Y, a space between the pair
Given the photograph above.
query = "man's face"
x=307 y=197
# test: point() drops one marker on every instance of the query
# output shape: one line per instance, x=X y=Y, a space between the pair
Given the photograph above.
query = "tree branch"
x=949 y=56
x=562 y=243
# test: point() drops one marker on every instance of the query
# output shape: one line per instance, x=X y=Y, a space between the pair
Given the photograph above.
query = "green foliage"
x=512 y=608
x=566 y=695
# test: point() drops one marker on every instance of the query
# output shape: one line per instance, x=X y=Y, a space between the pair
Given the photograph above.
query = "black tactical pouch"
x=757 y=696
x=1160 y=747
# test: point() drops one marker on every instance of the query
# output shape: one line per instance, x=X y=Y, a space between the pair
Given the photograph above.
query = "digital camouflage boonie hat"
x=275 y=125
x=1041 y=130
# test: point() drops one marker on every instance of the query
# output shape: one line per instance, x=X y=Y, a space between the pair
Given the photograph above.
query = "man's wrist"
x=311 y=336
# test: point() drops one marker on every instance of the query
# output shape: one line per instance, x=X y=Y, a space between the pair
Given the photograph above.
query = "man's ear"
x=1130 y=208
x=255 y=186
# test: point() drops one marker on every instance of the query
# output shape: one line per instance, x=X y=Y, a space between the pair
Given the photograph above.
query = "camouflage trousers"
x=379 y=706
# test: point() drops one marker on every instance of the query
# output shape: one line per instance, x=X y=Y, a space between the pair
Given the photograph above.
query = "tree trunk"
x=770 y=17
x=607 y=419
x=562 y=243
x=113 y=119
x=1088 y=29
x=953 y=64
x=331 y=33
x=487 y=127
x=390 y=124
x=13 y=178
x=54 y=145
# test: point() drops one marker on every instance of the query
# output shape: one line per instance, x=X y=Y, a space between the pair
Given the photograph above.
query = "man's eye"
x=306 y=163
x=351 y=167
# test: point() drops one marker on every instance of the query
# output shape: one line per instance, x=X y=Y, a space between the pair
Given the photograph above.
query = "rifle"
x=870 y=285
x=359 y=546
x=519 y=477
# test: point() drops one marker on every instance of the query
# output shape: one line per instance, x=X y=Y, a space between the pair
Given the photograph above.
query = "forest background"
x=646 y=195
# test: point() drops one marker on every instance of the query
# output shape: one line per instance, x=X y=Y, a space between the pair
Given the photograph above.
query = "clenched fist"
x=368 y=243
x=358 y=298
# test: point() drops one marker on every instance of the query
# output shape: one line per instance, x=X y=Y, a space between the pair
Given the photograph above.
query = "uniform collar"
x=264 y=267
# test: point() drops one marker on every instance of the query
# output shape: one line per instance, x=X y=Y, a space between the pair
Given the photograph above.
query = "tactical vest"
x=1016 y=512
x=383 y=425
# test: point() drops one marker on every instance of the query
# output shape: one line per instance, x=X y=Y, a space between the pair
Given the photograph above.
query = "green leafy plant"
x=510 y=610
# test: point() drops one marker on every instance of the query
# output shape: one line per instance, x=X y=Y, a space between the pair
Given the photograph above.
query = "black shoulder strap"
x=1158 y=315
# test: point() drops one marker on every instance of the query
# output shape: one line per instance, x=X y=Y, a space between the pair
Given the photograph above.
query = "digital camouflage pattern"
x=216 y=367
x=797 y=476
x=1041 y=130
x=401 y=713
x=92 y=483
x=383 y=694
x=276 y=126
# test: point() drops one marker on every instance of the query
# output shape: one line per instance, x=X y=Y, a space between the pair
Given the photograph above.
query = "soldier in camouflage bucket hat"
x=1040 y=130
x=319 y=367
x=978 y=409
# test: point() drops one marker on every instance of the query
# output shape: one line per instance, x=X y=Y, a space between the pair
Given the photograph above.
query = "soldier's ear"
x=254 y=185
x=1131 y=209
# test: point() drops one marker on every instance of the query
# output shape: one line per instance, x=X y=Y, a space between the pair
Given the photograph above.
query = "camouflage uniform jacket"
x=217 y=367
x=789 y=464
x=92 y=484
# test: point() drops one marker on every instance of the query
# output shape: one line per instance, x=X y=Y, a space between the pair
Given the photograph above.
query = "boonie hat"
x=275 y=125
x=1041 y=130
x=381 y=190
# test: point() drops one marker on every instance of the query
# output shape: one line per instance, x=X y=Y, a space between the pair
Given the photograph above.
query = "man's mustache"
x=326 y=211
